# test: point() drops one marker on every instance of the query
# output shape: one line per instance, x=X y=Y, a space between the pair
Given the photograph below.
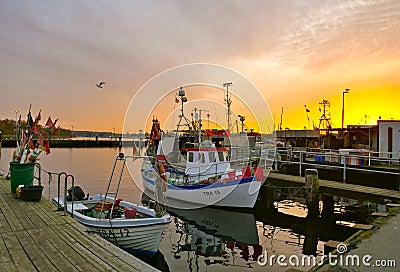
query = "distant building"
x=361 y=137
x=383 y=138
x=389 y=138
x=299 y=139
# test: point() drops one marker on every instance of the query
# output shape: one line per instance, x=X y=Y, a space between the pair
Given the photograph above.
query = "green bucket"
x=21 y=174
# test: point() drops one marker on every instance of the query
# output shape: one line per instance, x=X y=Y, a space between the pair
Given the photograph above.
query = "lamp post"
x=344 y=92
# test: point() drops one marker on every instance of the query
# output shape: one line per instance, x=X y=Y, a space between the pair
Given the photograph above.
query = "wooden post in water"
x=269 y=196
x=301 y=160
x=344 y=168
x=312 y=197
x=328 y=209
x=312 y=193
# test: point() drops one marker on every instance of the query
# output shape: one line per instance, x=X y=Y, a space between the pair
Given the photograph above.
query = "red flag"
x=35 y=129
x=31 y=144
x=307 y=110
x=54 y=124
x=40 y=142
x=44 y=144
x=38 y=118
x=49 y=123
x=47 y=147
x=55 y=130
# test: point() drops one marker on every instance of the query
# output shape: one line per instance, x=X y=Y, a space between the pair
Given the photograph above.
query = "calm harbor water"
x=205 y=239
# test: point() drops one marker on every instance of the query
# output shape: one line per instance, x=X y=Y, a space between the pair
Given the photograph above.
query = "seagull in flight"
x=100 y=84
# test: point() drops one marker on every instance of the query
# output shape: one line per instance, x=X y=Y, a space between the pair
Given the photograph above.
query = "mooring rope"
x=5 y=172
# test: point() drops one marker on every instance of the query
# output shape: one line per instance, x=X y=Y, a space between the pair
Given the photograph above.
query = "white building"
x=389 y=138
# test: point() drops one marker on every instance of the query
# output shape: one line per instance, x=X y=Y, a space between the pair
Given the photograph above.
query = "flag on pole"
x=49 y=123
x=47 y=147
x=307 y=110
x=44 y=144
x=40 y=141
x=38 y=118
x=31 y=145
x=55 y=130
x=35 y=130
x=29 y=122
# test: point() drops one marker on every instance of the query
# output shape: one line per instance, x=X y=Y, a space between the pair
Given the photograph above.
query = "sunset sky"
x=296 y=53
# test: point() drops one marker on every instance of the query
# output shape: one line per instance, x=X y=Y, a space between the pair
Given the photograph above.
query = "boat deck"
x=35 y=237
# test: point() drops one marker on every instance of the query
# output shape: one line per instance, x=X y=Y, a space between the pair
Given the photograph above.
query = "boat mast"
x=183 y=98
x=228 y=103
x=197 y=117
x=324 y=121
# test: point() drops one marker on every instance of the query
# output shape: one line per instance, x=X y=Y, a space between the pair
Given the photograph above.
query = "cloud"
x=58 y=50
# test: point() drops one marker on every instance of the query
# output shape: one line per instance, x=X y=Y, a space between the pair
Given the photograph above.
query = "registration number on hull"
x=211 y=193
x=113 y=233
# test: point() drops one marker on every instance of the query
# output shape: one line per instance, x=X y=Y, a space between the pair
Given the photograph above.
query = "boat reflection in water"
x=211 y=236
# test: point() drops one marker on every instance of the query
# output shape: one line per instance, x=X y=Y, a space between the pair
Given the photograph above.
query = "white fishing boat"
x=197 y=173
x=204 y=176
x=129 y=226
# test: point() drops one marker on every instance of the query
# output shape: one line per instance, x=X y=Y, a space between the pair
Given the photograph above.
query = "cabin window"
x=221 y=156
x=190 y=157
x=211 y=156
x=201 y=158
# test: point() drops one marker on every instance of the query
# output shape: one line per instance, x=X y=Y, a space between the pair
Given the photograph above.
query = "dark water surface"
x=206 y=239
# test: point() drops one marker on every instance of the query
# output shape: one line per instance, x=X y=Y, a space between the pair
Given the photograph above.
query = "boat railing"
x=198 y=174
x=356 y=160
x=67 y=177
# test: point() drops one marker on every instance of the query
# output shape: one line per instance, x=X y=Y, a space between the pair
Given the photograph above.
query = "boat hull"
x=131 y=234
x=241 y=193
x=141 y=239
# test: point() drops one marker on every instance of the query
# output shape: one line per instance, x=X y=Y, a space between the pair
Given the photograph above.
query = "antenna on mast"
x=183 y=98
x=324 y=121
x=228 y=102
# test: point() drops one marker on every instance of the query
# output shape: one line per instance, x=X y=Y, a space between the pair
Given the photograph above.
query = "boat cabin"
x=206 y=160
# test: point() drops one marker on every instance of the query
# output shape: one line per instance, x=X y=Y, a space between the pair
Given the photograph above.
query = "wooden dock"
x=335 y=185
x=35 y=237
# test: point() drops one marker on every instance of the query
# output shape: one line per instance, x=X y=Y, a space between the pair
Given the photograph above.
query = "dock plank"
x=18 y=255
x=38 y=258
x=363 y=226
x=391 y=194
x=36 y=237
